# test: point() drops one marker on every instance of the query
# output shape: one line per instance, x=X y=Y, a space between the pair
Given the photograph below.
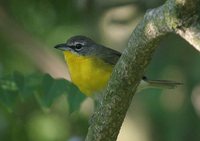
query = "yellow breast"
x=90 y=74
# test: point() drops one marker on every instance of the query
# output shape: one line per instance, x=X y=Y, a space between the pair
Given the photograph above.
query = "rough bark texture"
x=179 y=16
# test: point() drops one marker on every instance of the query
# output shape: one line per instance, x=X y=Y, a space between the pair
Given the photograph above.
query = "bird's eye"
x=78 y=46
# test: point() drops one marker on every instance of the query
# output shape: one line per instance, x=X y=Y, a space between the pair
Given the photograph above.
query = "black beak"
x=62 y=47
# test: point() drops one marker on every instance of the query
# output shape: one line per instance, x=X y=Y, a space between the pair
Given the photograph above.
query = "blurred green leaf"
x=8 y=92
x=8 y=98
x=46 y=88
x=75 y=97
x=19 y=79
x=51 y=89
x=25 y=85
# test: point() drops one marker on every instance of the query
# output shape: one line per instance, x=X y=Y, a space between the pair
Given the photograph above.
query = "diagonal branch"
x=171 y=17
x=33 y=49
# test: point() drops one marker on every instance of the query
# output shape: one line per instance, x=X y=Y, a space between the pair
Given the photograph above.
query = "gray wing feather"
x=109 y=55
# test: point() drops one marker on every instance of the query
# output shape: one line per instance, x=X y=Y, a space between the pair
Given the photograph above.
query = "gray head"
x=79 y=45
x=82 y=45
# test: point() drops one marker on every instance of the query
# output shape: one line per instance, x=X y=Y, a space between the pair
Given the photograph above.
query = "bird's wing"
x=109 y=55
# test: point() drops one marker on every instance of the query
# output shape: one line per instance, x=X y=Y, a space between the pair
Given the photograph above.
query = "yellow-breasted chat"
x=90 y=65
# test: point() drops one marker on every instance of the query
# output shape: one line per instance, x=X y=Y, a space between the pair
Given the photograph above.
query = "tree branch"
x=171 y=17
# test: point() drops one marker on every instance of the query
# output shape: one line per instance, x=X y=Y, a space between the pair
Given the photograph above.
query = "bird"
x=90 y=66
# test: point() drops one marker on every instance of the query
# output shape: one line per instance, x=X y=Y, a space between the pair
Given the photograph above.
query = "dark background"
x=30 y=29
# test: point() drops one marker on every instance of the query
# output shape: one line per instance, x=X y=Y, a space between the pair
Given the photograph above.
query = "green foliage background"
x=36 y=106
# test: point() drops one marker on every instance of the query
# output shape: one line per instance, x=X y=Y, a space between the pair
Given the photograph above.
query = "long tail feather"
x=163 y=84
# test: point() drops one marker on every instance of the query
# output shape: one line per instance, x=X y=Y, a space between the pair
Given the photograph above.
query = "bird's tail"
x=162 y=84
x=165 y=84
